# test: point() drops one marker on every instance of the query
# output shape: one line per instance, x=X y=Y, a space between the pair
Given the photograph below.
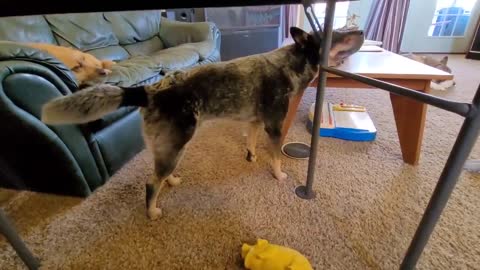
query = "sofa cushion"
x=132 y=71
x=134 y=26
x=84 y=31
x=204 y=49
x=26 y=29
x=114 y=53
x=175 y=58
x=174 y=33
x=110 y=118
x=120 y=141
x=145 y=47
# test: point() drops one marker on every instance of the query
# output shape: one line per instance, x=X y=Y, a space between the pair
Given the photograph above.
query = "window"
x=341 y=13
x=451 y=18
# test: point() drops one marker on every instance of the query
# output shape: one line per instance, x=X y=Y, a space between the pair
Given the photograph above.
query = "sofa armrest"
x=17 y=51
x=54 y=159
x=203 y=35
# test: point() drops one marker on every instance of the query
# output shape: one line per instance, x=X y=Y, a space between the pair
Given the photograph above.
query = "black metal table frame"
x=464 y=143
x=461 y=150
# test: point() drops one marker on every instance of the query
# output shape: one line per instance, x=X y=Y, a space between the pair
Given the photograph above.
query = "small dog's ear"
x=107 y=64
x=444 y=60
x=299 y=36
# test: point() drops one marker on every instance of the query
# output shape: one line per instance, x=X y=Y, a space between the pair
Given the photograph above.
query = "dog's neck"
x=304 y=70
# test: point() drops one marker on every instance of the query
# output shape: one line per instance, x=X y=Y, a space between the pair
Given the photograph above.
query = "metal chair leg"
x=7 y=229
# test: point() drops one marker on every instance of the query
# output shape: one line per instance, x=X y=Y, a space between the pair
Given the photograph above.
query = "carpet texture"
x=367 y=208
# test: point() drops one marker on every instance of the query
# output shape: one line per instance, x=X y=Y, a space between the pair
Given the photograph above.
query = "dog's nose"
x=361 y=33
x=102 y=72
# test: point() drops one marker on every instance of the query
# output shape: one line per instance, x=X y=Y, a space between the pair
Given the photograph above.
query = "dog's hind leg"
x=167 y=151
x=165 y=164
x=252 y=140
x=274 y=131
x=152 y=189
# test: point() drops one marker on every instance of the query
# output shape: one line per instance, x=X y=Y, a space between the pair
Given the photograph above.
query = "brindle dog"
x=254 y=88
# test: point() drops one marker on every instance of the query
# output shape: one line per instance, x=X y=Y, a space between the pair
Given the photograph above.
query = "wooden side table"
x=393 y=68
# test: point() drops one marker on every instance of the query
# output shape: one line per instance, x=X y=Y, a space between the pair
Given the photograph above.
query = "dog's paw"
x=154 y=213
x=437 y=87
x=281 y=176
x=251 y=157
x=174 y=180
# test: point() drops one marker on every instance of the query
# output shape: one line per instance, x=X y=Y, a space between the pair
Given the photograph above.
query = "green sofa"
x=77 y=159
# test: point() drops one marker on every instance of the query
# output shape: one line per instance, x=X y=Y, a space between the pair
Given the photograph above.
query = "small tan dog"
x=85 y=66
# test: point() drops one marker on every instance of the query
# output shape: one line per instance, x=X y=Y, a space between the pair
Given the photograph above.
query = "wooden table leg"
x=292 y=111
x=409 y=115
x=410 y=120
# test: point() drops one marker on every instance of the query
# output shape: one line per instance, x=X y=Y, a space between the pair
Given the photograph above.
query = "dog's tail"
x=92 y=103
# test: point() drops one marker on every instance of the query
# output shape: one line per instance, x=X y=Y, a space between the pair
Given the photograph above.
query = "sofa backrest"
x=137 y=31
x=107 y=35
x=26 y=29
x=89 y=32
x=83 y=31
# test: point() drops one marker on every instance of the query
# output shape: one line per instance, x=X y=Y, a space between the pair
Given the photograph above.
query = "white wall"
x=415 y=36
x=361 y=8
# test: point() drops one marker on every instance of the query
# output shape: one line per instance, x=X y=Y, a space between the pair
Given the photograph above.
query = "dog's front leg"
x=274 y=131
x=252 y=140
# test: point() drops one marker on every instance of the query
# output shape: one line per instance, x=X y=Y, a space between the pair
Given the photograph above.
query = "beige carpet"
x=367 y=207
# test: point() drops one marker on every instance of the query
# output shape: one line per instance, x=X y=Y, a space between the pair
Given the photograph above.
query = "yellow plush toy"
x=266 y=256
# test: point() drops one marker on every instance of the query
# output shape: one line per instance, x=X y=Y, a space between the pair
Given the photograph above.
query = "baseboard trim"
x=473 y=55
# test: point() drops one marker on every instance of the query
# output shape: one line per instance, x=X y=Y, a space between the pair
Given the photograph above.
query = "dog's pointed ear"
x=299 y=36
x=444 y=60
x=107 y=64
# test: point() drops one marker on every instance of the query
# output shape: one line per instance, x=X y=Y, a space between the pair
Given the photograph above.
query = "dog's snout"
x=361 y=33
x=102 y=71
